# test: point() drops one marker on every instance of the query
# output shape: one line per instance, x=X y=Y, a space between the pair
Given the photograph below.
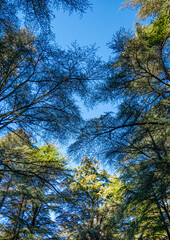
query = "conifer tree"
x=136 y=140
x=31 y=180
x=86 y=211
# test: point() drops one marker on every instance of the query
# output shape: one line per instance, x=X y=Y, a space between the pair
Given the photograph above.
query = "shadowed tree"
x=37 y=13
x=39 y=82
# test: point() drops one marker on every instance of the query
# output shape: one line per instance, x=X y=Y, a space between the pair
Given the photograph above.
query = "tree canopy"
x=37 y=13
x=136 y=139
x=30 y=187
x=41 y=197
x=38 y=83
x=39 y=80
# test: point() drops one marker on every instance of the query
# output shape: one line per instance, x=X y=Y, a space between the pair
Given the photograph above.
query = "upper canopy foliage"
x=37 y=92
x=138 y=77
x=136 y=139
x=37 y=13
x=149 y=8
x=39 y=81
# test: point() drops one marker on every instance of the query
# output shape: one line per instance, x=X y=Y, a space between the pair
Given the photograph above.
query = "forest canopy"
x=41 y=195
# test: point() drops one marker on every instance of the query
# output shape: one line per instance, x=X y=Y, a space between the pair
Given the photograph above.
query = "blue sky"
x=96 y=26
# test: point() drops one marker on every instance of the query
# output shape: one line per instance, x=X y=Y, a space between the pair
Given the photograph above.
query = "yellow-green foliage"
x=89 y=178
x=156 y=32
x=147 y=8
x=48 y=155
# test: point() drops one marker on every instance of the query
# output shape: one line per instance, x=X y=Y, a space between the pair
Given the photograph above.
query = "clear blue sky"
x=96 y=26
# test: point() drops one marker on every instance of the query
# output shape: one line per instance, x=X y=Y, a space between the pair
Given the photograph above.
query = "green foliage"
x=136 y=140
x=148 y=8
x=30 y=178
x=37 y=92
x=88 y=207
x=155 y=33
